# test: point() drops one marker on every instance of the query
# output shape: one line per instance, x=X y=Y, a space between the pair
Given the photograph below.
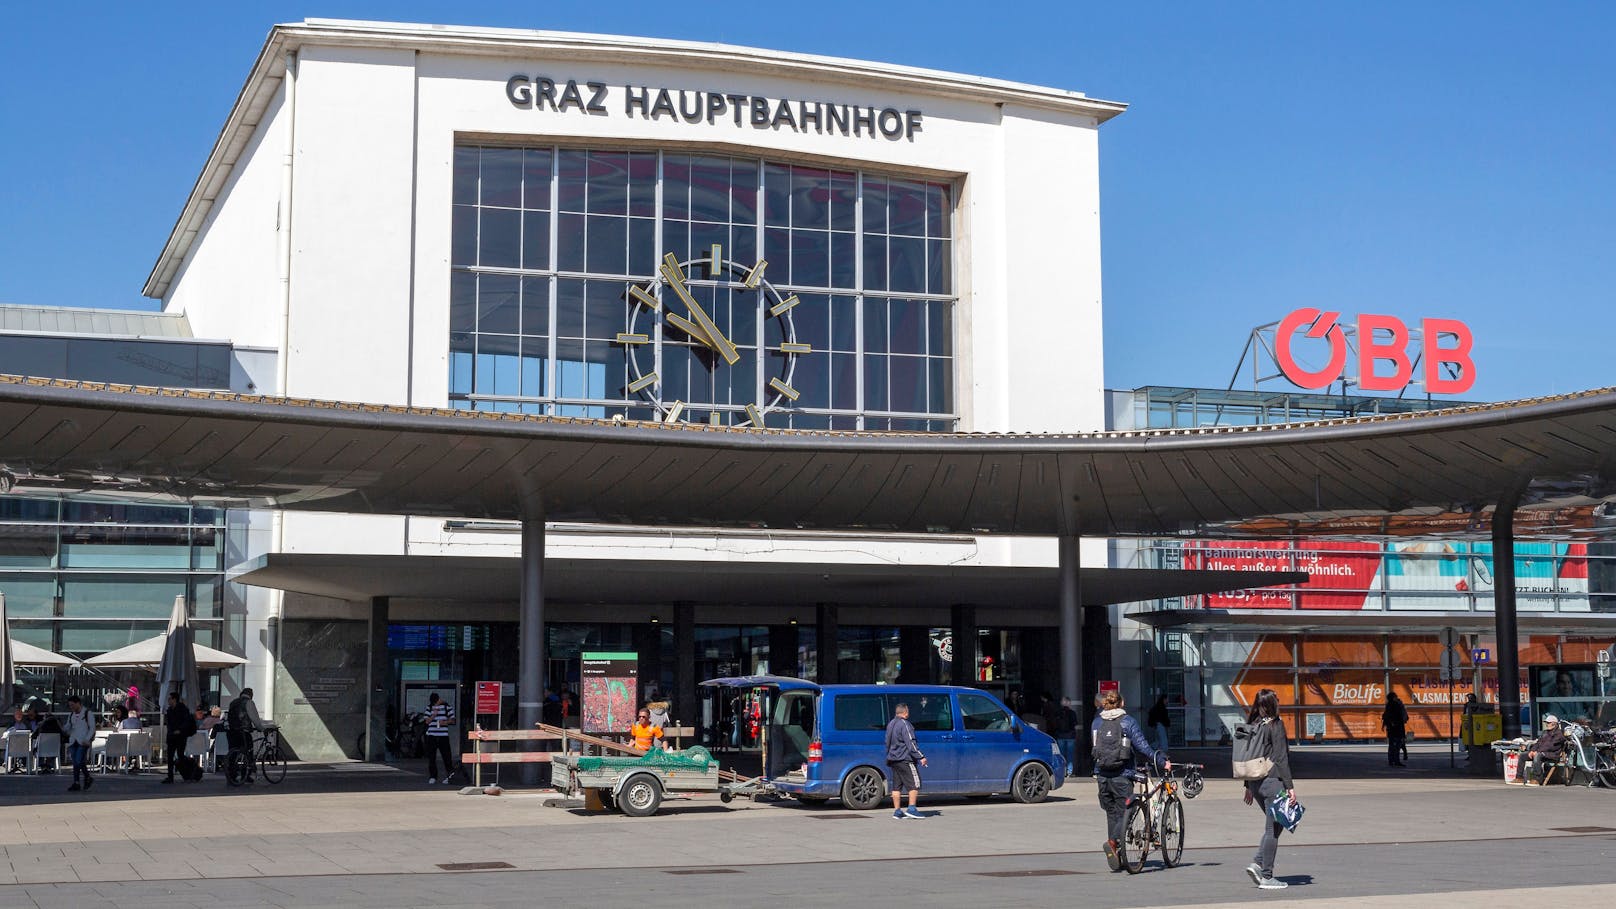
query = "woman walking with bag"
x=1269 y=730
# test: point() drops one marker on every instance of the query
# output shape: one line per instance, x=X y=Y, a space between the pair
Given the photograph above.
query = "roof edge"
x=267 y=71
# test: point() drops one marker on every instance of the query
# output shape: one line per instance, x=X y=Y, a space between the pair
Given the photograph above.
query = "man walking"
x=439 y=717
x=181 y=725
x=902 y=754
x=80 y=734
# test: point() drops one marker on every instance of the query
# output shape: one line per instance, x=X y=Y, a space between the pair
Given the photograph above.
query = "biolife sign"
x=1382 y=341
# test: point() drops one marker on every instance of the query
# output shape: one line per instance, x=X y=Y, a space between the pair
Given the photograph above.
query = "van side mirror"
x=1015 y=727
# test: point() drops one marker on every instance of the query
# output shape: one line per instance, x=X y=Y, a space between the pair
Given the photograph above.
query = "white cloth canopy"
x=23 y=654
x=148 y=654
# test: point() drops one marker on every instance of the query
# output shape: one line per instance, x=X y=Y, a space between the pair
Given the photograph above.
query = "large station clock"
x=668 y=309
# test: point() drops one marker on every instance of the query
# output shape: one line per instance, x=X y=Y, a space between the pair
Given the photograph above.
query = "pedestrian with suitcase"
x=181 y=725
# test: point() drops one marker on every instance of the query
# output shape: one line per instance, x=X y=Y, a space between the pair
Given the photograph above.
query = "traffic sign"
x=1450 y=637
x=1481 y=655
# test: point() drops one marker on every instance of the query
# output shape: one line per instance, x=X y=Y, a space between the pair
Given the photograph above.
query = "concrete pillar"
x=914 y=652
x=646 y=639
x=964 y=634
x=827 y=642
x=783 y=650
x=531 y=633
x=685 y=700
x=1504 y=626
x=378 y=684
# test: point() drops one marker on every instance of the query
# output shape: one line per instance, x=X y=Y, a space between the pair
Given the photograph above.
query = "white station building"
x=587 y=225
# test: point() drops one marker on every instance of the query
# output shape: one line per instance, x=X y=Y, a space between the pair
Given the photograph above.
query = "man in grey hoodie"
x=902 y=754
x=80 y=731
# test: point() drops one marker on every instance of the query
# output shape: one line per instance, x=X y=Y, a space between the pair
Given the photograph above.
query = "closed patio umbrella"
x=177 y=670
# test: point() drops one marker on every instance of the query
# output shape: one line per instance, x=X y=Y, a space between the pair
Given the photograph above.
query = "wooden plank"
x=540 y=735
x=507 y=757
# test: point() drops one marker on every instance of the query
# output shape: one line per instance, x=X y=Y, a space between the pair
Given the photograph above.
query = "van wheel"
x=863 y=789
x=1031 y=784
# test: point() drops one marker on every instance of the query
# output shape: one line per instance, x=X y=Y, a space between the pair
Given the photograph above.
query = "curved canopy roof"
x=1404 y=473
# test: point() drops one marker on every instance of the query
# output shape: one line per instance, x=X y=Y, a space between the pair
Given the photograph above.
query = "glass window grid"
x=40 y=611
x=933 y=356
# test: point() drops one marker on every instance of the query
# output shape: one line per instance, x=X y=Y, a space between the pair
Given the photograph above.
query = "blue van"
x=829 y=741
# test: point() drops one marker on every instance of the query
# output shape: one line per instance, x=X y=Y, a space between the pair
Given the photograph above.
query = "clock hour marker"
x=639 y=294
x=674 y=412
x=624 y=337
x=755 y=275
x=715 y=262
x=784 y=305
x=644 y=381
x=757 y=418
x=796 y=348
x=785 y=389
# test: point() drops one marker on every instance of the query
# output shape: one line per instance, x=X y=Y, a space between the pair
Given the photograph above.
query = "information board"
x=488 y=697
x=610 y=691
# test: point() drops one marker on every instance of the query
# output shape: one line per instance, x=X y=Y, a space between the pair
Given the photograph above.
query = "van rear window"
x=859 y=712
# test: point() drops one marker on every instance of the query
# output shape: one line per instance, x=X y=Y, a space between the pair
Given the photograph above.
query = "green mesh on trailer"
x=693 y=758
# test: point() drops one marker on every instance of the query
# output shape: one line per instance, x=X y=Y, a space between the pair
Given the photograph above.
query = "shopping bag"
x=1286 y=811
x=1512 y=766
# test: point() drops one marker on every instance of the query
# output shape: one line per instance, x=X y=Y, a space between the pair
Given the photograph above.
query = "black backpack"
x=236 y=716
x=1112 y=752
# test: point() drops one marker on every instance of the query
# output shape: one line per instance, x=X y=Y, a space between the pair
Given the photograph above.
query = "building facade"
x=1371 y=619
x=579 y=225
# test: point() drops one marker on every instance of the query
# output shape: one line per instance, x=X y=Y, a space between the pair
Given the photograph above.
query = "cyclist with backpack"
x=1117 y=744
x=241 y=721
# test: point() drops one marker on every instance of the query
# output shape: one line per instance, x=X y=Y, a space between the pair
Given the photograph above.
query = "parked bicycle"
x=1155 y=818
x=263 y=757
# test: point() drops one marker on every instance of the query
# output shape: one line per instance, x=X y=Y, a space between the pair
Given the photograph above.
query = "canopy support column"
x=378 y=684
x=1071 y=609
x=531 y=635
x=1504 y=625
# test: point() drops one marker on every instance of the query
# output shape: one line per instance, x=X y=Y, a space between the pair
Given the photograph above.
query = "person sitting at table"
x=20 y=723
x=1547 y=750
x=131 y=722
x=213 y=718
x=119 y=714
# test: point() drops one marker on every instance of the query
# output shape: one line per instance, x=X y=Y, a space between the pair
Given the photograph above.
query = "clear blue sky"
x=1409 y=159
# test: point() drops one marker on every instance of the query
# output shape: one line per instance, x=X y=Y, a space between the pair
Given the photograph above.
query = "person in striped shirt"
x=439 y=717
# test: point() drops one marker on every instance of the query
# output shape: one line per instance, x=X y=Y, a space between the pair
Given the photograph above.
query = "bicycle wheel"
x=1135 y=836
x=272 y=764
x=235 y=768
x=1172 y=831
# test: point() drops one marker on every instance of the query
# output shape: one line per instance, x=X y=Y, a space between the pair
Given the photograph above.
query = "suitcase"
x=189 y=768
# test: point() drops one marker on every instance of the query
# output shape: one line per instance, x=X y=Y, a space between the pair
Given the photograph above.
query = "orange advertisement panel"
x=1250 y=681
x=1420 y=651
x=1325 y=651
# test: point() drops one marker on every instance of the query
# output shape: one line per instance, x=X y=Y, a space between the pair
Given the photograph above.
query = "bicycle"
x=263 y=757
x=1155 y=817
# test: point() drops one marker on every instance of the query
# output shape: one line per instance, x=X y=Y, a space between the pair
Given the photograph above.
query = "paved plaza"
x=359 y=835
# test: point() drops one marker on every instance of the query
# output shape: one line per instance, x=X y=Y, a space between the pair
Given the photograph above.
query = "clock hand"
x=714 y=338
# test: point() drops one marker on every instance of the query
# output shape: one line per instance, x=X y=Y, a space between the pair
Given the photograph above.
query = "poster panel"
x=1341 y=572
x=610 y=691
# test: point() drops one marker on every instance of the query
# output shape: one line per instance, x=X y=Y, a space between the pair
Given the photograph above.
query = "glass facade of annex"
x=1332 y=683
x=82 y=577
x=548 y=244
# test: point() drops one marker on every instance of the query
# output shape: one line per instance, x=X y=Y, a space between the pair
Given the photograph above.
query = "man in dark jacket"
x=1394 y=719
x=1549 y=748
x=1117 y=742
x=902 y=755
x=181 y=725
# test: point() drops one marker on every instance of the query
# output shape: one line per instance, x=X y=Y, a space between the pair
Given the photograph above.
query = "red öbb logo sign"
x=1373 y=350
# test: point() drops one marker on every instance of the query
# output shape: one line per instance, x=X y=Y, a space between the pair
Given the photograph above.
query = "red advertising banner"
x=488 y=697
x=1341 y=573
